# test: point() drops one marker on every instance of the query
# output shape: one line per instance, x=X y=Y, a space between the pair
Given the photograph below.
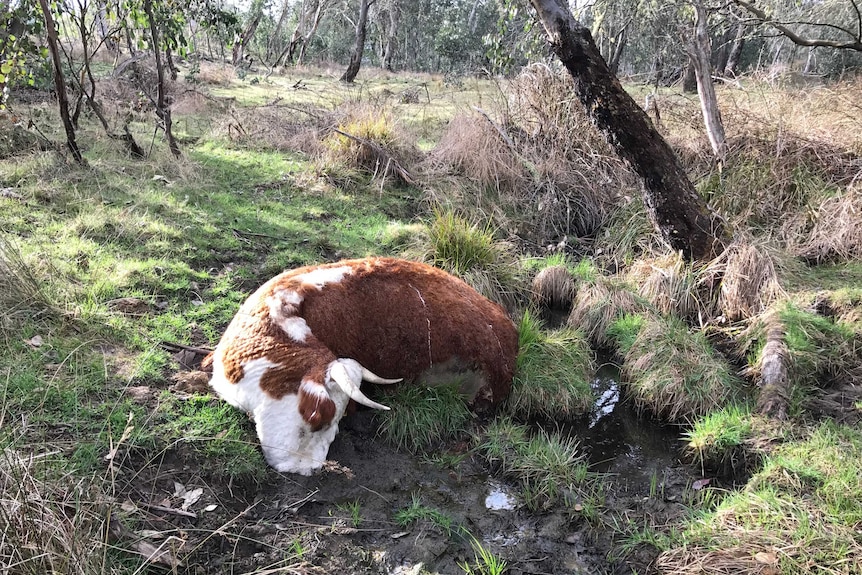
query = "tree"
x=359 y=43
x=680 y=215
x=59 y=82
x=700 y=52
x=163 y=109
x=240 y=43
x=848 y=39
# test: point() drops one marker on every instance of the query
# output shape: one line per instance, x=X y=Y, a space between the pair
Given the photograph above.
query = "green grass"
x=547 y=466
x=675 y=372
x=553 y=372
x=418 y=511
x=802 y=511
x=421 y=417
x=485 y=562
x=623 y=332
x=716 y=441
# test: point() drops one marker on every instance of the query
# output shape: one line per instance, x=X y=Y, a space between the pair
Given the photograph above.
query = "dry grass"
x=749 y=277
x=598 y=304
x=671 y=285
x=22 y=294
x=540 y=159
x=554 y=288
x=48 y=526
x=837 y=233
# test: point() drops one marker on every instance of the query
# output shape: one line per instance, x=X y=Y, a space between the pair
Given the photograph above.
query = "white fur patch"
x=295 y=328
x=286 y=438
x=320 y=277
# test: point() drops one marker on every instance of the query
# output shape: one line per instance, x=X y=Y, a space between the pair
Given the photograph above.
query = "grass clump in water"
x=624 y=331
x=717 y=440
x=423 y=416
x=547 y=465
x=599 y=304
x=553 y=371
x=676 y=373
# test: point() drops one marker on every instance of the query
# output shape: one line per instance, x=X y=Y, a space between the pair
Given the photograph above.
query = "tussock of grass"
x=717 y=440
x=628 y=234
x=418 y=511
x=800 y=514
x=675 y=373
x=672 y=286
x=597 y=305
x=553 y=373
x=470 y=251
x=623 y=332
x=748 y=269
x=421 y=417
x=553 y=288
x=547 y=465
x=836 y=234
x=22 y=294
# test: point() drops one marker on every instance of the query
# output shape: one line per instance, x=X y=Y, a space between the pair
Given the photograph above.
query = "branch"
x=855 y=44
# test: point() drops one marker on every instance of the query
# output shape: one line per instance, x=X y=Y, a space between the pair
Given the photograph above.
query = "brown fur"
x=376 y=316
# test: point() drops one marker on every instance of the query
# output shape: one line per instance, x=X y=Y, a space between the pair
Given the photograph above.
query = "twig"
x=256 y=235
x=180 y=512
x=172 y=346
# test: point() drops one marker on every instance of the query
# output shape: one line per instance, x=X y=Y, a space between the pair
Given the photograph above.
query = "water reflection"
x=618 y=440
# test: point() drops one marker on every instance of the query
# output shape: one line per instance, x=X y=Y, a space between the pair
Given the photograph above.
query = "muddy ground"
x=343 y=519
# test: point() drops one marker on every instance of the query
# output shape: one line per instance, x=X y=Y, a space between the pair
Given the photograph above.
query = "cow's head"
x=296 y=430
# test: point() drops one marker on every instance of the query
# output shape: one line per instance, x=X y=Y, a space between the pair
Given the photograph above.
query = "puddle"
x=620 y=441
x=500 y=498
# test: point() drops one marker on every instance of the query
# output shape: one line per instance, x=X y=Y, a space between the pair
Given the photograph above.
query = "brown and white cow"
x=301 y=345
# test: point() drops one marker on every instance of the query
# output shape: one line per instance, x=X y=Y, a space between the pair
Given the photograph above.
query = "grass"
x=485 y=562
x=422 y=417
x=623 y=332
x=599 y=304
x=419 y=512
x=547 y=466
x=676 y=373
x=799 y=514
x=717 y=440
x=553 y=373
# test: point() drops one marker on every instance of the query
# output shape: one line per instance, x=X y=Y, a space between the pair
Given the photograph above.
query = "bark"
x=306 y=41
x=245 y=37
x=359 y=44
x=699 y=54
x=162 y=109
x=689 y=78
x=392 y=35
x=617 y=52
x=59 y=82
x=773 y=399
x=735 y=51
x=677 y=211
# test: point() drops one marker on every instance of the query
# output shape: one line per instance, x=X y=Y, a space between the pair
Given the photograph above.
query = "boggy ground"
x=379 y=510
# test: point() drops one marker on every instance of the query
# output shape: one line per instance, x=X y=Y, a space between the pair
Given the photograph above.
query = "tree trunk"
x=679 y=214
x=162 y=109
x=59 y=82
x=246 y=36
x=359 y=45
x=272 y=48
x=735 y=51
x=306 y=41
x=392 y=35
x=699 y=54
x=689 y=78
x=617 y=52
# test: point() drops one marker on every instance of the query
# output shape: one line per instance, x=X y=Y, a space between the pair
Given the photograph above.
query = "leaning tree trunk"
x=700 y=51
x=315 y=23
x=674 y=206
x=359 y=45
x=238 y=52
x=60 y=83
x=392 y=35
x=162 y=109
x=735 y=51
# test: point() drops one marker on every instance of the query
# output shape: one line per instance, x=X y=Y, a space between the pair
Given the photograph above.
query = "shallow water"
x=619 y=440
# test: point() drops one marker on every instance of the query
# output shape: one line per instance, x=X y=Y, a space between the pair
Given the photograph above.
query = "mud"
x=343 y=520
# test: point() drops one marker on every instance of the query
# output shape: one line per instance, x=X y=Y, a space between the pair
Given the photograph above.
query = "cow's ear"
x=315 y=405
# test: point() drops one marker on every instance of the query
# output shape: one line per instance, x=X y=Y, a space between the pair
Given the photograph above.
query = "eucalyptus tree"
x=677 y=211
x=20 y=23
x=358 y=42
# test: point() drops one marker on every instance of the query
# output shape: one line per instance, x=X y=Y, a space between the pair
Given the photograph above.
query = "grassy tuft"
x=485 y=562
x=676 y=373
x=672 y=286
x=422 y=416
x=22 y=293
x=547 y=465
x=598 y=305
x=553 y=374
x=623 y=332
x=418 y=511
x=717 y=440
x=470 y=251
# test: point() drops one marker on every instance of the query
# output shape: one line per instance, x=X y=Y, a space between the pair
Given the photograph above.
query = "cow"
x=300 y=346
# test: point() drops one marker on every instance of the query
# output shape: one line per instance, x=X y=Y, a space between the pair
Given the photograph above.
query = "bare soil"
x=262 y=527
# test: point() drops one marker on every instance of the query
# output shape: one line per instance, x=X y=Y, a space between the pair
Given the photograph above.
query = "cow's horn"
x=374 y=378
x=339 y=375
